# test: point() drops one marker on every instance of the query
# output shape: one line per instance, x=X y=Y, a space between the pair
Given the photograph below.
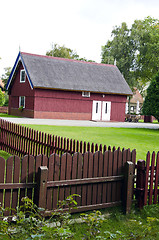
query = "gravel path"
x=57 y=122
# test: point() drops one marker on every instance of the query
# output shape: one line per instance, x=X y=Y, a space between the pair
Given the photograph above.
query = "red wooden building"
x=50 y=87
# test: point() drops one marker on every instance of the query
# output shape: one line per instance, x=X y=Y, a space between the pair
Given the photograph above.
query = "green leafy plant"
x=93 y=221
x=60 y=217
x=21 y=108
x=62 y=213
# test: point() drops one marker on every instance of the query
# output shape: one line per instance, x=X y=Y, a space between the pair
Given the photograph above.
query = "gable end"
x=18 y=60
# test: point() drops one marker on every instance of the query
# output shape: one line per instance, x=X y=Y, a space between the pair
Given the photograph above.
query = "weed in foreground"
x=29 y=223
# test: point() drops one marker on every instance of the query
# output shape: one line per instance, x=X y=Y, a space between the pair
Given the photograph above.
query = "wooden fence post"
x=42 y=186
x=128 y=185
x=140 y=183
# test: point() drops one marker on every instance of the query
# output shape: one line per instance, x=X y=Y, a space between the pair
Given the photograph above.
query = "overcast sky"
x=82 y=25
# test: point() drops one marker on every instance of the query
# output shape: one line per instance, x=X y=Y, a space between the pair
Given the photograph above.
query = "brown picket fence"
x=88 y=169
x=98 y=178
x=147 y=184
x=20 y=140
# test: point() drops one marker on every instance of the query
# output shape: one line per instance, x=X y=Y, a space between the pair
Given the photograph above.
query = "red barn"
x=51 y=87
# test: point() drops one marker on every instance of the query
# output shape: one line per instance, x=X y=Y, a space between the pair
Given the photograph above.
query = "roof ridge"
x=67 y=59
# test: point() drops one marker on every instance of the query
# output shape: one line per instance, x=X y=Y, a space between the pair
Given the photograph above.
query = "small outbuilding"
x=50 y=87
x=136 y=102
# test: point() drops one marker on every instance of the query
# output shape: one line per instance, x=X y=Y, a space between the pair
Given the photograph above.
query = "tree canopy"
x=64 y=52
x=151 y=103
x=2 y=98
x=5 y=76
x=135 y=50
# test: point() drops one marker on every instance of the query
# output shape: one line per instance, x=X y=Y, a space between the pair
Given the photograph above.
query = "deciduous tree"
x=136 y=51
x=64 y=52
x=5 y=76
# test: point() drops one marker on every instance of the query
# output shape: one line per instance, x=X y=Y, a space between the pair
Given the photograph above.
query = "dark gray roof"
x=66 y=74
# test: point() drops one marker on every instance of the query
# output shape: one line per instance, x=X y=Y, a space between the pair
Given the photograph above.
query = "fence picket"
x=62 y=176
x=8 y=192
x=85 y=175
x=74 y=146
x=79 y=176
x=114 y=173
x=146 y=177
x=151 y=177
x=61 y=145
x=74 y=171
x=84 y=147
x=77 y=147
x=92 y=147
x=68 y=145
x=16 y=175
x=50 y=178
x=96 y=147
x=56 y=178
x=124 y=153
x=90 y=175
x=71 y=146
x=95 y=174
x=2 y=176
x=68 y=173
x=156 y=179
x=119 y=172
x=100 y=147
x=104 y=148
x=109 y=185
x=81 y=147
x=23 y=140
x=24 y=171
x=65 y=147
x=30 y=177
x=100 y=174
x=105 y=174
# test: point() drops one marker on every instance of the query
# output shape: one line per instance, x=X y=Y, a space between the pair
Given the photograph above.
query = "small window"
x=22 y=101
x=85 y=94
x=132 y=108
x=22 y=76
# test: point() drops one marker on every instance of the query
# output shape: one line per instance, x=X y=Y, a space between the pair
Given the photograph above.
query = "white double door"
x=101 y=110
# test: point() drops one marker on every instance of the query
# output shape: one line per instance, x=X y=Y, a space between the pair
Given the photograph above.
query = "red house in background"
x=50 y=87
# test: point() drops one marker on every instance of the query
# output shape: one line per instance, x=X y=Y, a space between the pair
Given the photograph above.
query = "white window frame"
x=86 y=94
x=21 y=72
x=21 y=101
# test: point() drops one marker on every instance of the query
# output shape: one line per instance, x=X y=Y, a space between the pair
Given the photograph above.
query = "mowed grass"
x=4 y=154
x=143 y=140
x=8 y=116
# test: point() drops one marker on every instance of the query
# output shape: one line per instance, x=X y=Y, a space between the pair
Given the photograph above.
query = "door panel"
x=96 y=110
x=106 y=109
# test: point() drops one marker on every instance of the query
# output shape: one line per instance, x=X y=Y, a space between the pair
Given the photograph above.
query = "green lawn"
x=5 y=155
x=142 y=224
x=142 y=140
x=8 y=116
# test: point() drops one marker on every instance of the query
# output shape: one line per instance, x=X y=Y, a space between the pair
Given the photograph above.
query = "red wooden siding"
x=72 y=105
